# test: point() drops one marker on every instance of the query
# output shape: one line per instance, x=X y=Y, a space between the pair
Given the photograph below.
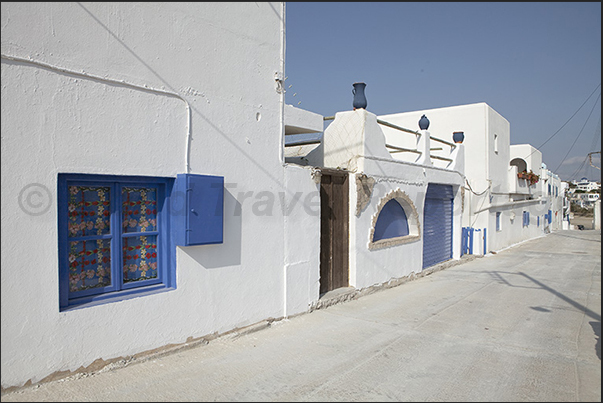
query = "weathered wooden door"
x=334 y=235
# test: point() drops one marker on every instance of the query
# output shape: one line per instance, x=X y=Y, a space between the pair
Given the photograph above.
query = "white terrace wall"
x=375 y=266
x=492 y=183
x=354 y=141
x=152 y=89
x=485 y=161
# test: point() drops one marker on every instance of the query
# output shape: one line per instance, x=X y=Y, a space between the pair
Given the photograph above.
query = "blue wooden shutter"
x=200 y=221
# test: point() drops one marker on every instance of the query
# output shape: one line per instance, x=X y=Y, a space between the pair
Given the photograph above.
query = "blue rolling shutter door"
x=437 y=224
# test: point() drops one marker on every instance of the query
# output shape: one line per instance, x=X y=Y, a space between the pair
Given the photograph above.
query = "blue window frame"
x=114 y=237
x=498 y=221
x=526 y=219
x=392 y=222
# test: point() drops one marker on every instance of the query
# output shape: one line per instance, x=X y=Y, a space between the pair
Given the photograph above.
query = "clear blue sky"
x=534 y=63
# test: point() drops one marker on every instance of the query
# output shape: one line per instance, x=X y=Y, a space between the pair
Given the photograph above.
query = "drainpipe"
x=280 y=77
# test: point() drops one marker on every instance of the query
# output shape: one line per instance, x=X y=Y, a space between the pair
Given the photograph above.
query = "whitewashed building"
x=104 y=105
x=149 y=199
x=501 y=207
x=585 y=185
x=146 y=198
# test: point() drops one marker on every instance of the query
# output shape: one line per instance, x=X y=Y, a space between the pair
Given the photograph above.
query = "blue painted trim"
x=391 y=222
x=199 y=217
x=117 y=291
x=438 y=198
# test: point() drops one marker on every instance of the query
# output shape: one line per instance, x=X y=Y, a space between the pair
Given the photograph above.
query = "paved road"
x=520 y=325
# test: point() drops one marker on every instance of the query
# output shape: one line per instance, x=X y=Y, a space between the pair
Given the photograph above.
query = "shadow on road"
x=597 y=329
x=570 y=301
x=576 y=236
x=596 y=324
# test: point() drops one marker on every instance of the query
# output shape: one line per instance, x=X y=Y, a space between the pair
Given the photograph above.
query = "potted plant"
x=532 y=178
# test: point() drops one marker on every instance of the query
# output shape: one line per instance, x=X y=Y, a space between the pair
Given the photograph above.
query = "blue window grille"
x=114 y=237
x=392 y=222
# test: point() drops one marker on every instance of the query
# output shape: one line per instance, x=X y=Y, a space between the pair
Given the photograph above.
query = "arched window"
x=396 y=221
x=520 y=164
x=392 y=222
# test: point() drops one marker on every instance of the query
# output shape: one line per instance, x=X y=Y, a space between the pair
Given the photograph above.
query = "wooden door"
x=334 y=235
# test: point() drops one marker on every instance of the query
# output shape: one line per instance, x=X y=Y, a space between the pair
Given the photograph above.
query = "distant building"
x=584 y=192
x=585 y=185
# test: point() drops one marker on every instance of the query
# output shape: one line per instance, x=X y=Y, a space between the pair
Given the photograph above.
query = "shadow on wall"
x=228 y=253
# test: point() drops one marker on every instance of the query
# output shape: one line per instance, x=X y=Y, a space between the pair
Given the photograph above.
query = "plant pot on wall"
x=423 y=123
x=359 y=101
x=458 y=137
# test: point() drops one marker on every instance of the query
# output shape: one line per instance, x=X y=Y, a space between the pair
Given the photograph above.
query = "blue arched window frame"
x=391 y=222
x=396 y=221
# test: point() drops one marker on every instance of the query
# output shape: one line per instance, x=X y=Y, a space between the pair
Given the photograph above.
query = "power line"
x=554 y=134
x=578 y=136
x=597 y=135
x=575 y=174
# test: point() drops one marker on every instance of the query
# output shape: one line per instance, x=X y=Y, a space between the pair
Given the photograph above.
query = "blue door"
x=437 y=224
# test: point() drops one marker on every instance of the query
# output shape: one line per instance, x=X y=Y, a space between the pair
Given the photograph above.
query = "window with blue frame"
x=114 y=239
x=498 y=215
x=526 y=219
x=396 y=221
x=392 y=222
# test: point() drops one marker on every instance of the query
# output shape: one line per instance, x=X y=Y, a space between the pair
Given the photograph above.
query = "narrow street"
x=520 y=325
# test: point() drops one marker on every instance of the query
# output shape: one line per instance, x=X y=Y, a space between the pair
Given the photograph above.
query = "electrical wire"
x=578 y=136
x=575 y=174
x=554 y=134
x=478 y=194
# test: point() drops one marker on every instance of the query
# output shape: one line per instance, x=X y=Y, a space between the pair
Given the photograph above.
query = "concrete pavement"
x=520 y=325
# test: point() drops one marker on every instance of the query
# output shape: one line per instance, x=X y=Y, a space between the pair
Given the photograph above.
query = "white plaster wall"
x=352 y=134
x=529 y=154
x=302 y=238
x=370 y=267
x=116 y=88
x=486 y=168
x=298 y=121
x=356 y=142
x=512 y=231
x=471 y=119
x=498 y=137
